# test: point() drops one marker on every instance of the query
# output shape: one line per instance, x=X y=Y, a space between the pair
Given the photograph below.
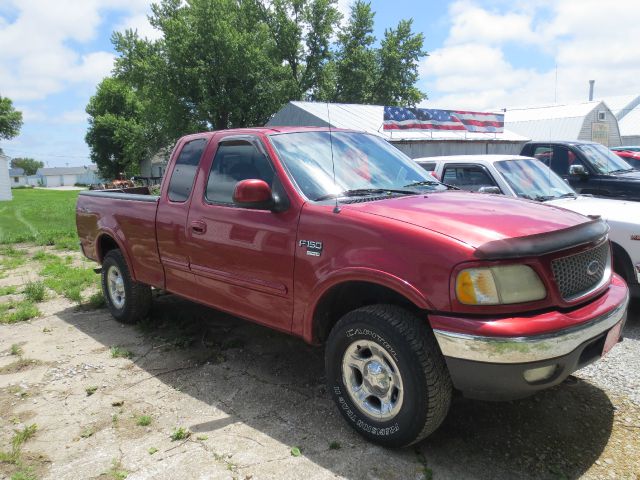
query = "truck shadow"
x=274 y=384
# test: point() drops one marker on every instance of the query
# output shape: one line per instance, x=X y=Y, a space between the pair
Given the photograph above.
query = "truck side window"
x=562 y=158
x=470 y=178
x=236 y=161
x=543 y=154
x=185 y=170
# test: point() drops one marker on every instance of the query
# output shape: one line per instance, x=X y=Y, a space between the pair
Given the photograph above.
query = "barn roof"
x=369 y=118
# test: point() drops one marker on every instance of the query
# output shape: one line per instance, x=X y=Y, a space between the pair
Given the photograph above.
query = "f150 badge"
x=314 y=248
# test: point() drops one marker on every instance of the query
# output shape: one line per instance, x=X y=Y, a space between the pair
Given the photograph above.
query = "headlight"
x=499 y=285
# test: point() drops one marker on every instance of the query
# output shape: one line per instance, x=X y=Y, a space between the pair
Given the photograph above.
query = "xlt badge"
x=314 y=248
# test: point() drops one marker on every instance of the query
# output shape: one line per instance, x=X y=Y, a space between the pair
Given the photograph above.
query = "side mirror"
x=578 y=170
x=253 y=193
x=494 y=190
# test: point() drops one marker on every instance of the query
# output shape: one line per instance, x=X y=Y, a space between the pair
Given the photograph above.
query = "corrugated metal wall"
x=631 y=140
x=421 y=149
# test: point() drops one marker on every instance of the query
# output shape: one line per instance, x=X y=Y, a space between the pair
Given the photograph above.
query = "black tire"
x=136 y=300
x=411 y=345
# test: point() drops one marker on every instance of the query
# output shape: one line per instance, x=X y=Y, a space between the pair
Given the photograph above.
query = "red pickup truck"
x=415 y=290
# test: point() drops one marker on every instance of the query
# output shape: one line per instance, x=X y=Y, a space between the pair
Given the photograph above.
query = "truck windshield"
x=362 y=165
x=603 y=160
x=533 y=180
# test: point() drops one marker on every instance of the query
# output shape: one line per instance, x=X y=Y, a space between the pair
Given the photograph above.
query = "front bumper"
x=493 y=366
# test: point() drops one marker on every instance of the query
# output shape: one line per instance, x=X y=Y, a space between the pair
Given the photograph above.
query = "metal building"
x=626 y=108
x=415 y=144
x=5 y=184
x=591 y=121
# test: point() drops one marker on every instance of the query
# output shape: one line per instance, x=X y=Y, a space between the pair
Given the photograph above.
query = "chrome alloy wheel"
x=115 y=285
x=372 y=379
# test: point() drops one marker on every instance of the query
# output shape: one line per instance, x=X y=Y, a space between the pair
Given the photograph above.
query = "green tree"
x=302 y=30
x=116 y=136
x=29 y=165
x=10 y=119
x=356 y=66
x=398 y=59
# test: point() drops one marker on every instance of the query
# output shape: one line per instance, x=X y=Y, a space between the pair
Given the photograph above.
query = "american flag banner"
x=403 y=118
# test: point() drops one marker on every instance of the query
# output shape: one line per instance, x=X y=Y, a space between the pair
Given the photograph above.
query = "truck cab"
x=589 y=167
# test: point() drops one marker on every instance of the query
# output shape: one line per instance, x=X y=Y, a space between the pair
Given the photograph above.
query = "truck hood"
x=473 y=218
x=607 y=208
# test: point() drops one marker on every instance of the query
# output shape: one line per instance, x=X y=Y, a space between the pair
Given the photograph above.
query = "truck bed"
x=128 y=215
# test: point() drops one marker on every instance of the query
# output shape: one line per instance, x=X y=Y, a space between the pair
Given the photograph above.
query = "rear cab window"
x=185 y=169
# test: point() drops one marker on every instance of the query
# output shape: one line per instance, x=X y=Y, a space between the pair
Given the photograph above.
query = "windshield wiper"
x=429 y=182
x=569 y=194
x=544 y=198
x=360 y=192
x=622 y=170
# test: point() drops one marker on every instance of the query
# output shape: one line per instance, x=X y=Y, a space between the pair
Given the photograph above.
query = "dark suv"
x=589 y=167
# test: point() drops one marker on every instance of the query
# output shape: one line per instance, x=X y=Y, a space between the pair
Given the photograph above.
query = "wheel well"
x=622 y=264
x=345 y=297
x=106 y=244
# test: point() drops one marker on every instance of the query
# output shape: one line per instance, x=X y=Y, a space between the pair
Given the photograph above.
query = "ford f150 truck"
x=589 y=167
x=336 y=237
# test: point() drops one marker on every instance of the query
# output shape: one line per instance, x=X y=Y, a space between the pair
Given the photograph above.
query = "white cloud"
x=140 y=23
x=584 y=38
x=471 y=23
x=37 y=54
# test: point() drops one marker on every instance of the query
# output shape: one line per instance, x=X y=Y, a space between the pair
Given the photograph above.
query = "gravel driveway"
x=244 y=396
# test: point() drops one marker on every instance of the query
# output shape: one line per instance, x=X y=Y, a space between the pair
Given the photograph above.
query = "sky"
x=483 y=54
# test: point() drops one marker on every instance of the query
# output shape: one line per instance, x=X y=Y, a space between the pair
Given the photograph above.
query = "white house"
x=17 y=178
x=68 y=176
x=5 y=185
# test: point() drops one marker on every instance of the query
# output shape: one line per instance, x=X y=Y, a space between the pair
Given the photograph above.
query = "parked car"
x=630 y=156
x=627 y=148
x=589 y=167
x=528 y=178
x=339 y=238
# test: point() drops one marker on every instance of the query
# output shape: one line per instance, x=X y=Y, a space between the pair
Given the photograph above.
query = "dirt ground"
x=245 y=396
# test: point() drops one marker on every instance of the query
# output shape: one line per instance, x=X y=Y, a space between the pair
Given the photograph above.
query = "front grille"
x=578 y=274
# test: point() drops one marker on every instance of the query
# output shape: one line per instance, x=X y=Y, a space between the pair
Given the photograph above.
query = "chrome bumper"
x=527 y=349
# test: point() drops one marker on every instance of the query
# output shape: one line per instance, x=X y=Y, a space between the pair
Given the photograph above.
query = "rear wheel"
x=128 y=301
x=387 y=375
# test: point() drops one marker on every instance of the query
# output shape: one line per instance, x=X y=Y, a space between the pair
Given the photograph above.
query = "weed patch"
x=34 y=291
x=180 y=434
x=16 y=349
x=143 y=420
x=13 y=312
x=120 y=352
x=20 y=437
x=96 y=301
x=10 y=290
x=66 y=279
x=18 y=366
x=90 y=390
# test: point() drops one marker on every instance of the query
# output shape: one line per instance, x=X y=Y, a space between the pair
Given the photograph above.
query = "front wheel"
x=387 y=375
x=128 y=301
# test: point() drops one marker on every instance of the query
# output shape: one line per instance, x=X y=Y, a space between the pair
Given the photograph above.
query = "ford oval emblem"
x=593 y=267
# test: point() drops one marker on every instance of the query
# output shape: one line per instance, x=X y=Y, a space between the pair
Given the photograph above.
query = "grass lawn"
x=45 y=217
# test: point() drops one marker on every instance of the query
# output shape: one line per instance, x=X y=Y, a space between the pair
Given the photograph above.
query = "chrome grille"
x=578 y=274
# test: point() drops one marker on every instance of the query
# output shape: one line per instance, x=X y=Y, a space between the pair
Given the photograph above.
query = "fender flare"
x=120 y=242
x=360 y=274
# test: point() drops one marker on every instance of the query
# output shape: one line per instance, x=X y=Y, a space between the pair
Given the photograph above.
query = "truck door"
x=242 y=257
x=560 y=159
x=171 y=219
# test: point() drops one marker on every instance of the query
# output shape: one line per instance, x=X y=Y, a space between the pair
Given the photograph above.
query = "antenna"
x=336 y=209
